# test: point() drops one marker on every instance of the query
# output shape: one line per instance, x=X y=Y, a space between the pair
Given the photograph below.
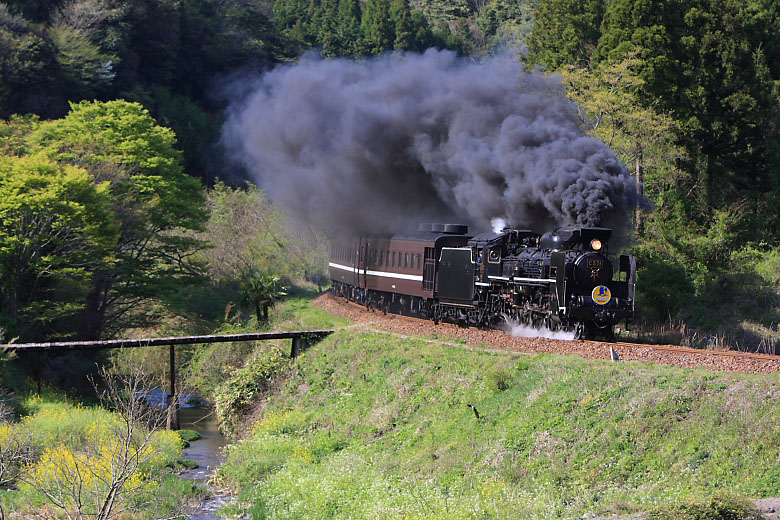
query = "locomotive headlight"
x=595 y=244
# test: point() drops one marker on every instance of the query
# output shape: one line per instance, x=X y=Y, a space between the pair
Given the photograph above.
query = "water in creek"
x=208 y=454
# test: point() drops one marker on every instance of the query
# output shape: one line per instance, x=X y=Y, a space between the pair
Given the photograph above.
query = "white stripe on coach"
x=382 y=274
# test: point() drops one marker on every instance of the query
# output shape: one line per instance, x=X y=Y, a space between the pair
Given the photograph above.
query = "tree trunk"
x=710 y=182
x=95 y=309
x=265 y=311
x=640 y=223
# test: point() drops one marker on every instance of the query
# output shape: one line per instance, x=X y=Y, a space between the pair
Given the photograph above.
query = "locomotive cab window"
x=494 y=255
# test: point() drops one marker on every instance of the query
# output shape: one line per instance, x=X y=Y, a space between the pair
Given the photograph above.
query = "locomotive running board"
x=522 y=280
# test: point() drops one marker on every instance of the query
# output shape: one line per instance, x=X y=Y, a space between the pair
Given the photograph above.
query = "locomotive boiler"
x=565 y=279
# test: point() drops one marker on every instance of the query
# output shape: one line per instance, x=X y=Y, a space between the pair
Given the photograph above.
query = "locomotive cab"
x=490 y=250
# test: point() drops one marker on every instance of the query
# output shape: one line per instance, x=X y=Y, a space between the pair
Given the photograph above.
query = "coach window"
x=406 y=260
x=387 y=259
x=381 y=258
x=393 y=258
x=419 y=262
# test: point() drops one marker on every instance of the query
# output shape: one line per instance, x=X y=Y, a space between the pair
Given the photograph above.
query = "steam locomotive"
x=563 y=280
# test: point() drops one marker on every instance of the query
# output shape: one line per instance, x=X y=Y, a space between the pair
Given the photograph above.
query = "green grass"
x=297 y=312
x=373 y=426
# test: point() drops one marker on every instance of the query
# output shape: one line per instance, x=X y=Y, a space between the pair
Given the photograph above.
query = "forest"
x=118 y=205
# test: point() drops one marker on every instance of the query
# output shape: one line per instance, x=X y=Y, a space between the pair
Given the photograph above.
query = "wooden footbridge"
x=301 y=340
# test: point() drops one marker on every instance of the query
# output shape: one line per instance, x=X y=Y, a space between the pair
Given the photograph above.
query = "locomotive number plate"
x=601 y=294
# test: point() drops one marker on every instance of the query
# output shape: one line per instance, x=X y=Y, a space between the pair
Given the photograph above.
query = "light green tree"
x=55 y=227
x=152 y=199
x=608 y=98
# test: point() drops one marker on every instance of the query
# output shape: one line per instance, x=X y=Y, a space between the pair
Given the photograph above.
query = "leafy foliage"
x=565 y=32
x=261 y=291
x=152 y=199
x=94 y=210
x=55 y=228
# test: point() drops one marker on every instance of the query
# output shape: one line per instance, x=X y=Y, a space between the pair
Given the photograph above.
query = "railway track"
x=731 y=361
x=695 y=351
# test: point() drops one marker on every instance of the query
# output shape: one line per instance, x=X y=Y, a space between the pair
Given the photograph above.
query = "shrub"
x=713 y=508
x=244 y=386
x=501 y=380
x=663 y=288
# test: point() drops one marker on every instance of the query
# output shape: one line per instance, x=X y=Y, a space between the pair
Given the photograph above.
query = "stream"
x=207 y=453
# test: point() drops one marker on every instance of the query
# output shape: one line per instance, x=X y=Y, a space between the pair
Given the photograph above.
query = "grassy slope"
x=373 y=426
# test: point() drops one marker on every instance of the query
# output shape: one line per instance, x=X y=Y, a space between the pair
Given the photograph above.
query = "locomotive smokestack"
x=378 y=144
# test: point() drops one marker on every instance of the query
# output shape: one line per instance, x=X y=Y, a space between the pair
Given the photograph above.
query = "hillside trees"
x=704 y=62
x=352 y=28
x=694 y=87
x=565 y=32
x=610 y=108
x=141 y=205
x=165 y=55
x=710 y=67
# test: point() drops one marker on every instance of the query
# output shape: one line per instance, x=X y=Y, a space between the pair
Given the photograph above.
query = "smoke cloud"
x=390 y=142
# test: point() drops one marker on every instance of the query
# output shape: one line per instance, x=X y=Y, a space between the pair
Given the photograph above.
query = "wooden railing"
x=301 y=339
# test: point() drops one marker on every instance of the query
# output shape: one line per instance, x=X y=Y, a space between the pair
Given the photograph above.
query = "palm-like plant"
x=261 y=291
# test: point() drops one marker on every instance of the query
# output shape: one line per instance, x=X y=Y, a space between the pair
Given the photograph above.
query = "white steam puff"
x=526 y=331
x=497 y=225
x=377 y=144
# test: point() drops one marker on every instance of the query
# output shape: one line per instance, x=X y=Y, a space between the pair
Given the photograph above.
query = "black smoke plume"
x=386 y=143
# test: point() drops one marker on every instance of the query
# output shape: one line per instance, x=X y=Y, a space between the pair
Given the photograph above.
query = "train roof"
x=424 y=233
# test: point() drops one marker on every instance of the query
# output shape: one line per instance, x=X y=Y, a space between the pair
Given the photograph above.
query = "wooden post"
x=173 y=405
x=38 y=371
x=296 y=347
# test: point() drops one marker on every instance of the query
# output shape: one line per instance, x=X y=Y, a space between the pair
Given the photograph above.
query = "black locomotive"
x=563 y=280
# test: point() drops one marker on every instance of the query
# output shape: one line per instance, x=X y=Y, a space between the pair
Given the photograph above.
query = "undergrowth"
x=68 y=449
